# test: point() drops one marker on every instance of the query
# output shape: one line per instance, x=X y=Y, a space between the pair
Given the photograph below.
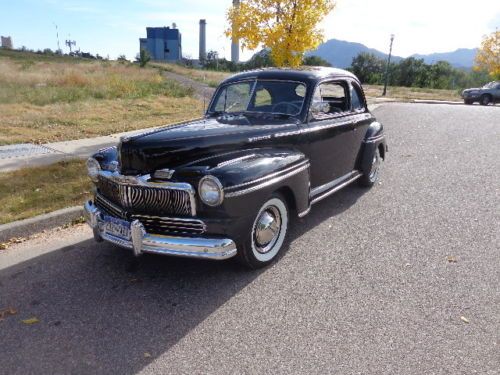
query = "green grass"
x=33 y=191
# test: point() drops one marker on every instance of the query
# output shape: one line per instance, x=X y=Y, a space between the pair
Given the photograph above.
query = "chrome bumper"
x=142 y=242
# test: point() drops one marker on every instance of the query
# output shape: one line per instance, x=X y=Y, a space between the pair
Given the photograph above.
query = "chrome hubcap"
x=375 y=166
x=267 y=229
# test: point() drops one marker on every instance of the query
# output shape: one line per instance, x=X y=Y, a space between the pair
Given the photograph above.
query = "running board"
x=326 y=190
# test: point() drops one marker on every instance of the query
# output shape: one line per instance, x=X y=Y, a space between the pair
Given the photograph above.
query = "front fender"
x=374 y=139
x=250 y=177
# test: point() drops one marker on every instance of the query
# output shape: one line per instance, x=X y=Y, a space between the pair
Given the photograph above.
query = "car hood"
x=172 y=146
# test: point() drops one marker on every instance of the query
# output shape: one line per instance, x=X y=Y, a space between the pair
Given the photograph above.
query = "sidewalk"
x=18 y=156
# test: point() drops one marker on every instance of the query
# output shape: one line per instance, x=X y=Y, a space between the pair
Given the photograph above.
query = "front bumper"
x=142 y=242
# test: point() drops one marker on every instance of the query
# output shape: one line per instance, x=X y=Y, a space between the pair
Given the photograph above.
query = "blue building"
x=162 y=43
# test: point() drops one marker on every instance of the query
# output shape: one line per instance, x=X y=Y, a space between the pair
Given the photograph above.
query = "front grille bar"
x=153 y=224
x=140 y=194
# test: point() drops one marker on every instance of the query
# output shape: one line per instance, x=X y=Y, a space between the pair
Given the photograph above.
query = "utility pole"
x=57 y=35
x=387 y=67
x=70 y=43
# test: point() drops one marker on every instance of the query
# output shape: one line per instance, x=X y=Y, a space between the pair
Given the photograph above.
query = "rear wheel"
x=267 y=234
x=370 y=178
x=485 y=100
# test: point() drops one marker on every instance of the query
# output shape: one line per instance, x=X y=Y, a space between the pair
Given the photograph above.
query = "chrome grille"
x=146 y=199
x=153 y=224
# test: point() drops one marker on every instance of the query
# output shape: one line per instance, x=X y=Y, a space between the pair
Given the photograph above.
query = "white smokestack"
x=203 y=40
x=235 y=43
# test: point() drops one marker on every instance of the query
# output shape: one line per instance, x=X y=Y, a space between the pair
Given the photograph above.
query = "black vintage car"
x=272 y=143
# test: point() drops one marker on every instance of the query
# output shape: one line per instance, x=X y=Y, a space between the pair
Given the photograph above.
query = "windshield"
x=490 y=85
x=260 y=96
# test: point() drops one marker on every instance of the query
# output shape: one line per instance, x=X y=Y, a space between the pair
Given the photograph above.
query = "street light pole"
x=387 y=67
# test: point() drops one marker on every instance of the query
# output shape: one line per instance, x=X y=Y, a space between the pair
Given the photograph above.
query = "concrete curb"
x=28 y=227
x=429 y=101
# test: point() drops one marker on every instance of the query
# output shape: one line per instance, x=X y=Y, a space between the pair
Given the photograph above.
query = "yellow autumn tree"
x=488 y=56
x=287 y=27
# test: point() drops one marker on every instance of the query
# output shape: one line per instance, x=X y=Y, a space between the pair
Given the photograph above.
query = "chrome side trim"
x=320 y=189
x=304 y=213
x=236 y=160
x=336 y=188
x=271 y=175
x=143 y=242
x=314 y=126
x=267 y=183
x=374 y=139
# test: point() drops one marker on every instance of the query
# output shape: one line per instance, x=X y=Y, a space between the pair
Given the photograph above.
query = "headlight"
x=93 y=168
x=210 y=190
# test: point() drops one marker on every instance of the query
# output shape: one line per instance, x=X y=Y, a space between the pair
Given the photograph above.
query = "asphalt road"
x=364 y=287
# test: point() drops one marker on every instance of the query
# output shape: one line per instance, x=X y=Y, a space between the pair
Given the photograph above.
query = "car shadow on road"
x=101 y=310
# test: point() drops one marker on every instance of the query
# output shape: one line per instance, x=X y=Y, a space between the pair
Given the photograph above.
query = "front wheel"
x=370 y=178
x=267 y=235
x=485 y=100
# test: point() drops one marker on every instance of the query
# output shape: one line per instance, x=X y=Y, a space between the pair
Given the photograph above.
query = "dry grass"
x=33 y=191
x=47 y=99
x=408 y=93
x=91 y=118
x=48 y=82
x=210 y=77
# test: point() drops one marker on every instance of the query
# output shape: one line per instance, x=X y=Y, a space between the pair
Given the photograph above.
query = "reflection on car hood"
x=176 y=145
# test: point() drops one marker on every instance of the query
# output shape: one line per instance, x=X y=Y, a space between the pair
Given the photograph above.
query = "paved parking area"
x=400 y=279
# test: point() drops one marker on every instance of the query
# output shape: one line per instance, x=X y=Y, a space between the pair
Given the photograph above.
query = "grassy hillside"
x=50 y=98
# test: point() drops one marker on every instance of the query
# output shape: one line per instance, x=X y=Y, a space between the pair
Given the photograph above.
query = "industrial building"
x=162 y=43
x=6 y=42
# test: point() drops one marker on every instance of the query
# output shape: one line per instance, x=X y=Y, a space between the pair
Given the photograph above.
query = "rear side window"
x=357 y=102
x=333 y=97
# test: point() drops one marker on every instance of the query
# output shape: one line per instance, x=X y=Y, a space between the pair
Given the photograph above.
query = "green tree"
x=143 y=58
x=315 y=61
x=368 y=68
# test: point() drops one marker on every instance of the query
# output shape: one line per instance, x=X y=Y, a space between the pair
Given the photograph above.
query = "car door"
x=361 y=120
x=331 y=133
x=497 y=92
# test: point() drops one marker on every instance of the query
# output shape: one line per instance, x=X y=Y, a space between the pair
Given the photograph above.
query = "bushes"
x=412 y=72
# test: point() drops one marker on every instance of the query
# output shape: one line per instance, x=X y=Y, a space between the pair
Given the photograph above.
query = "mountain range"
x=340 y=53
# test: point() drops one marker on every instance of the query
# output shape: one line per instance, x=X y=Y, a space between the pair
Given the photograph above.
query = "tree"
x=287 y=27
x=143 y=58
x=488 y=56
x=368 y=68
x=122 y=58
x=315 y=61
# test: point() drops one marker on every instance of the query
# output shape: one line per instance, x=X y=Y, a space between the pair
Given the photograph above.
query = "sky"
x=113 y=27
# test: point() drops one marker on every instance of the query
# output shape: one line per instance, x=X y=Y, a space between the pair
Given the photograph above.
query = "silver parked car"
x=489 y=93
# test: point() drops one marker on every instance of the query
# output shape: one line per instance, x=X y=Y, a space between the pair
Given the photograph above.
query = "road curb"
x=430 y=101
x=28 y=227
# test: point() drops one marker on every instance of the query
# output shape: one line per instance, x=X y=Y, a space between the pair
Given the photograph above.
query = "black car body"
x=489 y=93
x=272 y=143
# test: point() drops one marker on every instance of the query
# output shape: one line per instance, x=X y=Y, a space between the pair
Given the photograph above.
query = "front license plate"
x=117 y=227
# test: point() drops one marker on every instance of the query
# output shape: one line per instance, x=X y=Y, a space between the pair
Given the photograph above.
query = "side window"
x=357 y=102
x=330 y=99
x=262 y=97
x=234 y=98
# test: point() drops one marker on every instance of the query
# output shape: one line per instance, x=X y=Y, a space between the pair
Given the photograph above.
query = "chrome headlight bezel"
x=93 y=169
x=213 y=183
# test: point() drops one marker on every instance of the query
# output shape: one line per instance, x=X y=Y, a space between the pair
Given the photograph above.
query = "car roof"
x=305 y=74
